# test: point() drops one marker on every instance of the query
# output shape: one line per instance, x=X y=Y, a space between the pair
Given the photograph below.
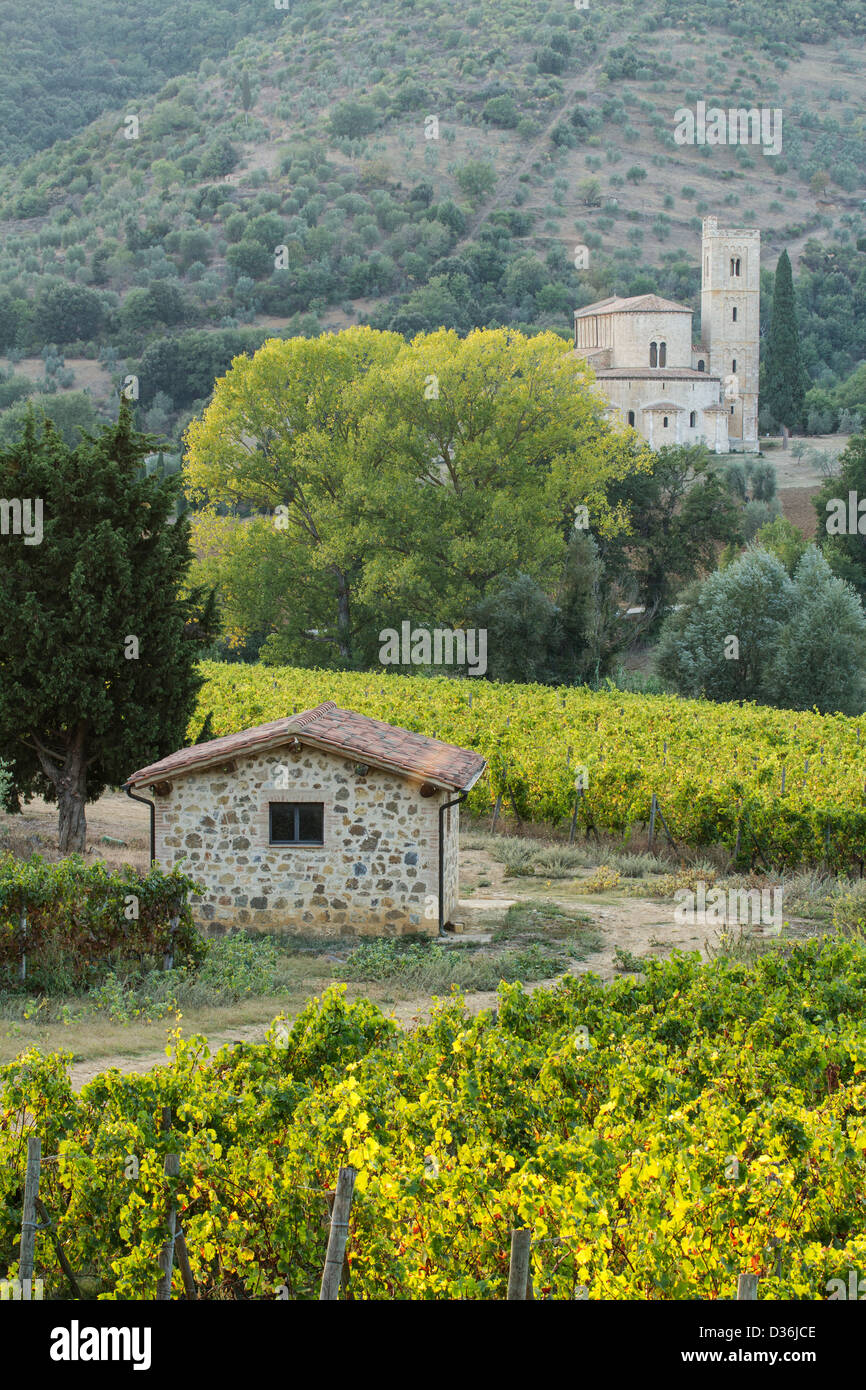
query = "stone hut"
x=325 y=821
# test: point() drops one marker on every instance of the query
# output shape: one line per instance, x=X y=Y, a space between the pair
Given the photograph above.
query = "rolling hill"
x=227 y=174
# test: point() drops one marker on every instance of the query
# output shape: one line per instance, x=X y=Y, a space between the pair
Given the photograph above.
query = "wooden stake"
x=652 y=824
x=496 y=810
x=28 y=1218
x=166 y=1255
x=55 y=1240
x=574 y=817
x=338 y=1235
x=747 y=1288
x=22 y=922
x=518 y=1268
x=666 y=826
x=329 y=1198
x=184 y=1265
x=168 y=957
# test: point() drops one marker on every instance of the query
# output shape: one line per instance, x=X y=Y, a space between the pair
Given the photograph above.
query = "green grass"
x=535 y=941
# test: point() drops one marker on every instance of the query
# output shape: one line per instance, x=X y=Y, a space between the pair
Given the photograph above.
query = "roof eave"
x=155 y=774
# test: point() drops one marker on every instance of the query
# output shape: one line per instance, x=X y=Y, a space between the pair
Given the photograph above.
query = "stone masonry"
x=376 y=873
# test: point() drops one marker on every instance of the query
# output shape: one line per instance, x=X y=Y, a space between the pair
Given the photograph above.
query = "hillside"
x=313 y=131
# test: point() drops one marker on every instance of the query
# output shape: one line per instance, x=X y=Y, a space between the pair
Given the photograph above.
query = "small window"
x=631 y=417
x=693 y=419
x=732 y=410
x=701 y=365
x=663 y=354
x=733 y=364
x=654 y=354
x=735 y=265
x=734 y=314
x=665 y=422
x=297 y=822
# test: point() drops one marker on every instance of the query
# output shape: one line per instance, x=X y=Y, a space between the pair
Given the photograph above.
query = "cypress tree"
x=784 y=377
x=98 y=650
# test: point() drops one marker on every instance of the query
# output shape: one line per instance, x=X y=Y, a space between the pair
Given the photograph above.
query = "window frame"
x=296 y=807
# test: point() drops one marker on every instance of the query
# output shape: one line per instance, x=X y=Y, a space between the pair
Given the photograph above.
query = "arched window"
x=631 y=417
x=664 y=422
x=735 y=265
x=734 y=314
x=654 y=354
x=693 y=419
x=733 y=364
x=701 y=367
x=663 y=354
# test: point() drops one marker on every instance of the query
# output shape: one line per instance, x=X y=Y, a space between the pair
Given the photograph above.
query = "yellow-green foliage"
x=658 y=1136
x=708 y=763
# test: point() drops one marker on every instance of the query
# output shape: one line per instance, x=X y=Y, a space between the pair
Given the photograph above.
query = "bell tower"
x=730 y=323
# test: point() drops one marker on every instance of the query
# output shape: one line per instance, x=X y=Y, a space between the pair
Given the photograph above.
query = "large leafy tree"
x=784 y=386
x=474 y=456
x=749 y=632
x=279 y=437
x=394 y=481
x=97 y=649
x=681 y=512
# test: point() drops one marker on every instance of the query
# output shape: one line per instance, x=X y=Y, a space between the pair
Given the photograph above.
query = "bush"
x=82 y=920
x=353 y=118
x=476 y=177
x=501 y=111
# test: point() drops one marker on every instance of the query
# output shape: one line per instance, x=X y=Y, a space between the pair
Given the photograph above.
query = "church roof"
x=670 y=407
x=636 y=304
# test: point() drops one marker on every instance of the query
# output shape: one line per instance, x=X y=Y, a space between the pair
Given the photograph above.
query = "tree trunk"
x=71 y=796
x=70 y=784
x=344 y=631
x=784 y=436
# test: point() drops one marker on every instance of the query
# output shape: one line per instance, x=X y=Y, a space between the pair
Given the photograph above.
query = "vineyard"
x=657 y=1136
x=791 y=783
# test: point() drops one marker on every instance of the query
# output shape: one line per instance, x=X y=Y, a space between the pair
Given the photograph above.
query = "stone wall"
x=693 y=395
x=376 y=874
x=633 y=333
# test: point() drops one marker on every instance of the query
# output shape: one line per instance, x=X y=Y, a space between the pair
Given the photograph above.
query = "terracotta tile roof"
x=634 y=304
x=335 y=730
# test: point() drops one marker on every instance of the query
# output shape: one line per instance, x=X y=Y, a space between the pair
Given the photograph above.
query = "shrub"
x=83 y=918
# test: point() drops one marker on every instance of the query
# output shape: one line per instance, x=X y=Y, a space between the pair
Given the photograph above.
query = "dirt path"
x=538 y=149
x=638 y=925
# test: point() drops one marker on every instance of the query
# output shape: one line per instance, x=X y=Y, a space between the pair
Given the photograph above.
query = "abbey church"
x=655 y=377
